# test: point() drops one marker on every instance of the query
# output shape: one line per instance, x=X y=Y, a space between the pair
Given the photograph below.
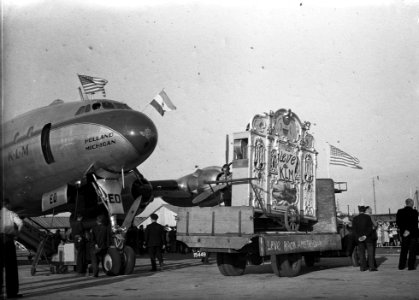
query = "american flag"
x=341 y=158
x=92 y=85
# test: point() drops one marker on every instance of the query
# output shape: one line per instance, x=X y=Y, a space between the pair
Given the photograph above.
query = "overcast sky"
x=351 y=68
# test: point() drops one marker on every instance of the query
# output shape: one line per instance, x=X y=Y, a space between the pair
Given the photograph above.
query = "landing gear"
x=286 y=265
x=128 y=261
x=231 y=264
x=112 y=262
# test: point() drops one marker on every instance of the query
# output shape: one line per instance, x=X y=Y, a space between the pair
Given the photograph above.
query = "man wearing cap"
x=363 y=230
x=155 y=240
x=101 y=240
x=10 y=226
x=78 y=232
x=407 y=221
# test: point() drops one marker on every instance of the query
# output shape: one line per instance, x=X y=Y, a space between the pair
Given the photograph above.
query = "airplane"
x=82 y=157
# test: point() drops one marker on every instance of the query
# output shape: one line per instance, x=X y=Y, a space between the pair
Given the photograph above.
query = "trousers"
x=8 y=262
x=369 y=246
x=408 y=246
x=155 y=252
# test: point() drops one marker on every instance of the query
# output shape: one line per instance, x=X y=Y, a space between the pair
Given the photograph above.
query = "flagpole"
x=328 y=159
x=373 y=188
x=145 y=107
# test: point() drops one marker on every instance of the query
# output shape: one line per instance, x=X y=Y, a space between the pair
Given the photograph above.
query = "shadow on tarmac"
x=73 y=281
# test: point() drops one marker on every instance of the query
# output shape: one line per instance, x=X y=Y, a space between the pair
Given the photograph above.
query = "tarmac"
x=184 y=277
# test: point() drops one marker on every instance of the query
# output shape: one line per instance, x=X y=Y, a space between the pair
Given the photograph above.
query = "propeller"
x=202 y=197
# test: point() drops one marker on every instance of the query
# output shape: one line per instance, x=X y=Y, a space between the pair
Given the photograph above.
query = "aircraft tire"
x=231 y=264
x=286 y=265
x=128 y=261
x=112 y=262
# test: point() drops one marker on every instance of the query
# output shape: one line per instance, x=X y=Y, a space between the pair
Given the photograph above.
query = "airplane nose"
x=140 y=132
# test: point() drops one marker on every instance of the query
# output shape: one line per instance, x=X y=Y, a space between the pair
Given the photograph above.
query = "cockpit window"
x=102 y=104
x=80 y=110
x=96 y=105
x=107 y=105
x=121 y=106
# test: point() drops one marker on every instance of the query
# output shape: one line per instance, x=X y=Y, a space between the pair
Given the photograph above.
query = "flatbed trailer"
x=277 y=208
x=230 y=233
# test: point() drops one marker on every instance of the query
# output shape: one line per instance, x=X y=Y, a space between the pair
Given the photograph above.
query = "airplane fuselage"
x=60 y=143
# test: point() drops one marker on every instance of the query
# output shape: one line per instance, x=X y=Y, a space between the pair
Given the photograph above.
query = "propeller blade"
x=208 y=193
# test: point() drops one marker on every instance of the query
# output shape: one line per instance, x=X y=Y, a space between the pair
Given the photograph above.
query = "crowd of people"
x=387 y=234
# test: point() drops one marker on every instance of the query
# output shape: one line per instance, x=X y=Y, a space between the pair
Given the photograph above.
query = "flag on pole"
x=341 y=158
x=92 y=85
x=162 y=103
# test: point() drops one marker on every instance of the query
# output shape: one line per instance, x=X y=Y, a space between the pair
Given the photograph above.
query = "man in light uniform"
x=10 y=225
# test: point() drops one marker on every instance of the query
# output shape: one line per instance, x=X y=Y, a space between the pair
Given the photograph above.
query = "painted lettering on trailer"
x=293 y=245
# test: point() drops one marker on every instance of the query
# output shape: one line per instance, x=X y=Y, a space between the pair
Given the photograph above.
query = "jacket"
x=407 y=219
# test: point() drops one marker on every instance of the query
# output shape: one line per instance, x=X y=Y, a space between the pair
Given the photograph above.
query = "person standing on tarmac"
x=407 y=221
x=363 y=230
x=80 y=244
x=155 y=240
x=101 y=240
x=9 y=221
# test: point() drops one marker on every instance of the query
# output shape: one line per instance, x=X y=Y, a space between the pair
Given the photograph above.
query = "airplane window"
x=87 y=108
x=107 y=105
x=95 y=106
x=80 y=110
x=121 y=106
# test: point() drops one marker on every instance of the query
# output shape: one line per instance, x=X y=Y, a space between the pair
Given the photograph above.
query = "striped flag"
x=341 y=158
x=92 y=85
x=162 y=103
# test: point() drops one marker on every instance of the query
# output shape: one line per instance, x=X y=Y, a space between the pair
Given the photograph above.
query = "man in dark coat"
x=10 y=226
x=100 y=242
x=407 y=221
x=80 y=244
x=363 y=229
x=155 y=239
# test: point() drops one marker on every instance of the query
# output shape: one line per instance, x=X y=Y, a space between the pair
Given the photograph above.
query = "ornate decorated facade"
x=278 y=152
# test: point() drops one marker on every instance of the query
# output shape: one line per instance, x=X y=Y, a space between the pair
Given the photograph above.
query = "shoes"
x=411 y=269
x=363 y=269
x=373 y=270
x=153 y=270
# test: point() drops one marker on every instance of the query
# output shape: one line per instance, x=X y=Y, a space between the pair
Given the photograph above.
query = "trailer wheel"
x=309 y=260
x=355 y=257
x=255 y=259
x=112 y=262
x=128 y=261
x=286 y=265
x=231 y=264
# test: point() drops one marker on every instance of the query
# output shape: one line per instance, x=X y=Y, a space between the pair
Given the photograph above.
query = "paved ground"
x=187 y=278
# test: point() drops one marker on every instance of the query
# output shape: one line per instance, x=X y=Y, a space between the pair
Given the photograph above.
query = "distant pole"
x=373 y=189
x=81 y=95
x=348 y=210
x=417 y=198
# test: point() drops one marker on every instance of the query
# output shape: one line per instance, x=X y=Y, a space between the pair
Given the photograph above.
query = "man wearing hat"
x=363 y=230
x=155 y=240
x=80 y=243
